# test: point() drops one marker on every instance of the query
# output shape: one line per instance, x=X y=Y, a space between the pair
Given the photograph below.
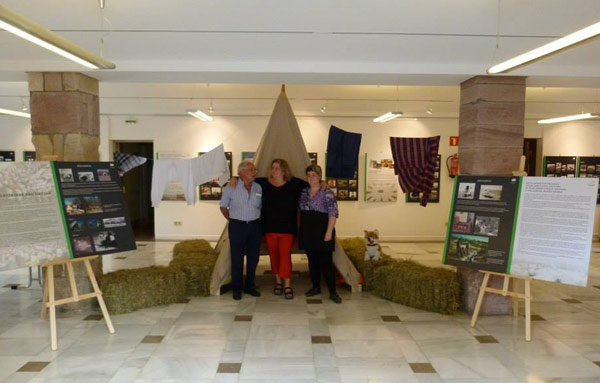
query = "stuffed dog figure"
x=372 y=245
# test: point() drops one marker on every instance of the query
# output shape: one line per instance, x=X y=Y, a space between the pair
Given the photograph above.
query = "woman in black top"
x=279 y=218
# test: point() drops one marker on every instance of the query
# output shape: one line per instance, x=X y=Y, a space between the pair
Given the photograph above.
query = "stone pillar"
x=65 y=116
x=65 y=126
x=491 y=128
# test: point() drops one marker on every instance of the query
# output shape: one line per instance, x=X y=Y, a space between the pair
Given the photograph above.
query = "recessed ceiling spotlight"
x=323 y=109
x=429 y=111
x=211 y=110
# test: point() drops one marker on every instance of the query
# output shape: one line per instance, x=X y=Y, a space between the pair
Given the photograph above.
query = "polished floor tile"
x=366 y=339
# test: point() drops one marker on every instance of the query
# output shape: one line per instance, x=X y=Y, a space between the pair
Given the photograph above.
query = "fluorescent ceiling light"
x=387 y=117
x=574 y=38
x=574 y=117
x=15 y=113
x=200 y=115
x=37 y=34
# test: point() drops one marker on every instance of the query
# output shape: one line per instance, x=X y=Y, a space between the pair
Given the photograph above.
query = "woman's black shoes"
x=288 y=293
x=278 y=290
x=336 y=298
x=312 y=292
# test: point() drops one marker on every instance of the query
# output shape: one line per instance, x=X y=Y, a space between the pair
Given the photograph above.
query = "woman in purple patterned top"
x=318 y=213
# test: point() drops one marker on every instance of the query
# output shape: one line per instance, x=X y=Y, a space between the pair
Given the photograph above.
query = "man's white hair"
x=243 y=165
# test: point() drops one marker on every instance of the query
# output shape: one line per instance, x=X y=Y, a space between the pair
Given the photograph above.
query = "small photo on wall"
x=550 y=168
x=570 y=168
x=466 y=190
x=352 y=184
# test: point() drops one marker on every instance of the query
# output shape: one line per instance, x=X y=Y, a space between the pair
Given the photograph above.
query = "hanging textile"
x=125 y=162
x=414 y=163
x=342 y=153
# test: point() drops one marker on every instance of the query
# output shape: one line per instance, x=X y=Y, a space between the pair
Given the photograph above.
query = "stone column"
x=65 y=116
x=65 y=126
x=491 y=128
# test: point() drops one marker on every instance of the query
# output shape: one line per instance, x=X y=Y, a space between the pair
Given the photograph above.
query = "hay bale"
x=406 y=282
x=193 y=246
x=415 y=285
x=198 y=270
x=355 y=250
x=125 y=291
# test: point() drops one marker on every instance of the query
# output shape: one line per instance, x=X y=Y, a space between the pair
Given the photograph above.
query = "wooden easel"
x=49 y=301
x=504 y=292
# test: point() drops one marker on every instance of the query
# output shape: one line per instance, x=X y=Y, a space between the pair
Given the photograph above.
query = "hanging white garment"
x=167 y=171
x=209 y=166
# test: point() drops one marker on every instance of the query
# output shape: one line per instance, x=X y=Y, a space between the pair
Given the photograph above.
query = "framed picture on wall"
x=28 y=156
x=313 y=156
x=7 y=156
x=560 y=166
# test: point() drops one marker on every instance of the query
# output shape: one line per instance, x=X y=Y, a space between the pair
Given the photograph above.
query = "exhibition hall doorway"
x=137 y=184
x=531 y=149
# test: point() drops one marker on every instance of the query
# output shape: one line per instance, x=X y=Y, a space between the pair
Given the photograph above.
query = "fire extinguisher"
x=452 y=165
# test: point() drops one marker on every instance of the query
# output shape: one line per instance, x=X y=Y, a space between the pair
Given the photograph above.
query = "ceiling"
x=357 y=58
x=410 y=42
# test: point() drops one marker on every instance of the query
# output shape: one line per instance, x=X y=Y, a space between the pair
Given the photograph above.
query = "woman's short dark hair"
x=316 y=169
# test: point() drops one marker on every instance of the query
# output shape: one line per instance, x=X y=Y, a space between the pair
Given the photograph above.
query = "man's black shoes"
x=253 y=292
x=237 y=295
x=312 y=292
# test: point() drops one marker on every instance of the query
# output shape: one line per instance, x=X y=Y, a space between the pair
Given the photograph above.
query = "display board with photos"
x=313 y=157
x=7 y=156
x=434 y=197
x=560 y=166
x=344 y=189
x=94 y=208
x=589 y=167
x=211 y=191
x=518 y=225
x=381 y=183
x=29 y=156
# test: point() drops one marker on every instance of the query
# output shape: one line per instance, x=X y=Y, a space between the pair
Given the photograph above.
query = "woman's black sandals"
x=288 y=293
x=278 y=290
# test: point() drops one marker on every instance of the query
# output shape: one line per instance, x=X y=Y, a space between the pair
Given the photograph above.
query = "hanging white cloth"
x=209 y=166
x=167 y=171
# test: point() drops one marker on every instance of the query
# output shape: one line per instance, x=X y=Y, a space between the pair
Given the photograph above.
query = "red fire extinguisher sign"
x=453 y=140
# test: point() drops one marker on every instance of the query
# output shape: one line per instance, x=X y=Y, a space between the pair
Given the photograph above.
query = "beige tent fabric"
x=282 y=139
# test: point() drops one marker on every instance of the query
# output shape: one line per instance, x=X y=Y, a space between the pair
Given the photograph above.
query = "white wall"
x=395 y=221
x=576 y=138
x=15 y=134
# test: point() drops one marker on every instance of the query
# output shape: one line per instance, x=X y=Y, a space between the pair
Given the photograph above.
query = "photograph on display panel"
x=344 y=189
x=381 y=183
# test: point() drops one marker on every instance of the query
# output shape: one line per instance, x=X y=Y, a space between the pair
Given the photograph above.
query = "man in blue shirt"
x=241 y=207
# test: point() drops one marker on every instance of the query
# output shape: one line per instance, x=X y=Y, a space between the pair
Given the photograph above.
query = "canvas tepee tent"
x=282 y=139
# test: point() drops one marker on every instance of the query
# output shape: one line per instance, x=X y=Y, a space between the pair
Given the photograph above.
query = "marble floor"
x=268 y=339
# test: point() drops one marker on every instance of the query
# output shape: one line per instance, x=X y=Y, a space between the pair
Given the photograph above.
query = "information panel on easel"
x=94 y=208
x=60 y=210
x=535 y=227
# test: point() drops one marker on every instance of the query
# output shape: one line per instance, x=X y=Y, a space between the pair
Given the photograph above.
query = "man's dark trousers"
x=244 y=238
